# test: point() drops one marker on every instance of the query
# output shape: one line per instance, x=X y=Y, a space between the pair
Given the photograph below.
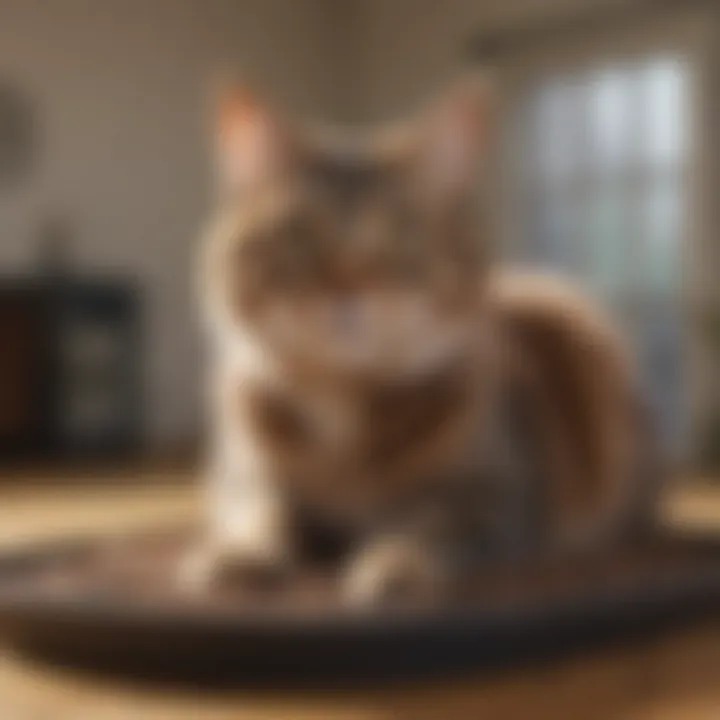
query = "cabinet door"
x=22 y=415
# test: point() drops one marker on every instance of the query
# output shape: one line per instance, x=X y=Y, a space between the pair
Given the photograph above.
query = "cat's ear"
x=453 y=138
x=252 y=144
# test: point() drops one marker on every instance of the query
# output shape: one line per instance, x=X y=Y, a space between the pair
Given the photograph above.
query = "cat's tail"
x=603 y=464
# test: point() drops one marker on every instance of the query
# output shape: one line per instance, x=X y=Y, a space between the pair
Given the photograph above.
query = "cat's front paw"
x=213 y=562
x=394 y=569
x=248 y=544
x=197 y=569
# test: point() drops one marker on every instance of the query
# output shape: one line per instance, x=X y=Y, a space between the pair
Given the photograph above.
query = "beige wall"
x=119 y=86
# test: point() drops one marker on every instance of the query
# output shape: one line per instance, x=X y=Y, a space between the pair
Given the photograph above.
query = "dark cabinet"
x=70 y=368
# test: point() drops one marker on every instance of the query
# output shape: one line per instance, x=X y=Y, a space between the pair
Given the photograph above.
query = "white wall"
x=119 y=87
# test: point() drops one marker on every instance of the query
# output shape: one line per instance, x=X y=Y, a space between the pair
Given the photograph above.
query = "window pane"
x=664 y=105
x=608 y=221
x=610 y=115
x=556 y=124
x=557 y=223
x=657 y=337
x=659 y=238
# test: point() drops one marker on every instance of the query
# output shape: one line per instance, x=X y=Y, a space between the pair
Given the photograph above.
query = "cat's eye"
x=296 y=231
x=249 y=256
x=407 y=225
x=290 y=267
x=410 y=264
x=296 y=252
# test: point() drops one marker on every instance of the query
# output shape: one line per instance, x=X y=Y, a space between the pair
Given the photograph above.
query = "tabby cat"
x=376 y=378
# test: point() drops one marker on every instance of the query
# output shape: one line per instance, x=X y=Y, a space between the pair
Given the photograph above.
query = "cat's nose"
x=346 y=316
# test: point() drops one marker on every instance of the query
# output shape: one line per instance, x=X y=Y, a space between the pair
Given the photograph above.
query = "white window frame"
x=692 y=35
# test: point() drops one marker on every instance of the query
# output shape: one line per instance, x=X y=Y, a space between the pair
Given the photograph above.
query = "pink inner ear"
x=249 y=142
x=455 y=142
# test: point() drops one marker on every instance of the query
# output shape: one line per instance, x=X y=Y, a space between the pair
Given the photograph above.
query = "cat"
x=374 y=373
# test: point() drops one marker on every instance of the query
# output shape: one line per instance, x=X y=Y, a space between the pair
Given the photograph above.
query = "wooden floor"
x=674 y=677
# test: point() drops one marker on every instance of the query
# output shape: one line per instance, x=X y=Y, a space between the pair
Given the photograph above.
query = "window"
x=601 y=176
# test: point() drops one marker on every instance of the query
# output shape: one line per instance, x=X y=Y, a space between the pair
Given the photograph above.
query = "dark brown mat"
x=111 y=605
